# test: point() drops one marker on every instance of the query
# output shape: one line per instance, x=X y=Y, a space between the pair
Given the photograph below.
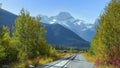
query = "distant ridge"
x=59 y=35
x=6 y=18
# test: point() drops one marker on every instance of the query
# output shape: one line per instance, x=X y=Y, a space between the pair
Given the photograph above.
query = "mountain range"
x=59 y=35
x=6 y=18
x=56 y=33
x=85 y=31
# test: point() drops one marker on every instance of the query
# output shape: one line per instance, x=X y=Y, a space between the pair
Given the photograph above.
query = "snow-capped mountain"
x=86 y=31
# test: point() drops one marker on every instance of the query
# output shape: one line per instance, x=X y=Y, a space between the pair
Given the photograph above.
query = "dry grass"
x=63 y=55
x=39 y=61
x=93 y=59
x=89 y=58
x=45 y=60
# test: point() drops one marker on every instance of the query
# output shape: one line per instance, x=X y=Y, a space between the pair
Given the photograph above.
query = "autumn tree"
x=26 y=42
x=29 y=34
x=105 y=44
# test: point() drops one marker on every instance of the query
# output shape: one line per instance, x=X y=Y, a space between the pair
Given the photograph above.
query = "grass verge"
x=93 y=59
x=89 y=58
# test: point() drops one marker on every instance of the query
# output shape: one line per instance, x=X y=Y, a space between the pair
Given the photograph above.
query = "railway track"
x=60 y=63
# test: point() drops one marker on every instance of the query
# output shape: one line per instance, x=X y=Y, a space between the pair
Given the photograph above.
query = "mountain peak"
x=64 y=16
x=64 y=13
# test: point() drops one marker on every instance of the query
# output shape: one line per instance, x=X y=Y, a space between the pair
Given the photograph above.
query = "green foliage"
x=27 y=42
x=29 y=37
x=2 y=53
x=106 y=41
x=51 y=51
x=29 y=34
x=8 y=54
x=2 y=49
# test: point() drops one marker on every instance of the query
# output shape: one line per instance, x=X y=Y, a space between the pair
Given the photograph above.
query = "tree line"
x=26 y=42
x=106 y=43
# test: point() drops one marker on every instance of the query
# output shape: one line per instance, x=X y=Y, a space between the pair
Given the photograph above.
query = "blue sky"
x=88 y=10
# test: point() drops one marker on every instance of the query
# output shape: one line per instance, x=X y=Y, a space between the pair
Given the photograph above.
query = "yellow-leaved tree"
x=106 y=42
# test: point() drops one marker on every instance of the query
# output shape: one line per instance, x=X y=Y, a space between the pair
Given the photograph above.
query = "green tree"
x=29 y=34
x=2 y=49
x=2 y=53
x=7 y=52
